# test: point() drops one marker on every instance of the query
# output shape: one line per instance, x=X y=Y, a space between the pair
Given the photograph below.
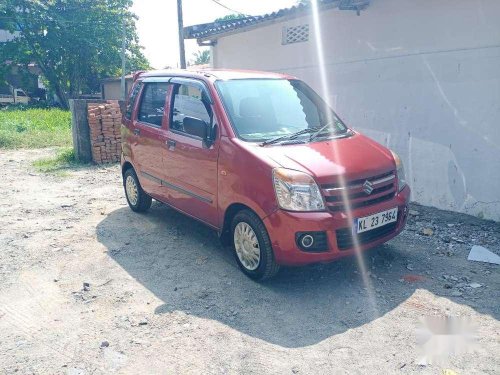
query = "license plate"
x=377 y=220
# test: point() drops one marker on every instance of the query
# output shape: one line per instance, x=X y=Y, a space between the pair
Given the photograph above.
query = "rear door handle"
x=170 y=144
x=137 y=131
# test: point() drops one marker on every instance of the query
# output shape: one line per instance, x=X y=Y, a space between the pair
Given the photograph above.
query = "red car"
x=262 y=159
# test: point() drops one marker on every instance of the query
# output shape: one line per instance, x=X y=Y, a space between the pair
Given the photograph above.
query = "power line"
x=232 y=10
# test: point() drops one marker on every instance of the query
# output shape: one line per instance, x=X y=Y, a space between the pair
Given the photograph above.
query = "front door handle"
x=170 y=144
x=137 y=131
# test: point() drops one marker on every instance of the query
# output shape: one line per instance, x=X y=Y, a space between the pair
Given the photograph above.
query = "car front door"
x=150 y=134
x=20 y=96
x=191 y=164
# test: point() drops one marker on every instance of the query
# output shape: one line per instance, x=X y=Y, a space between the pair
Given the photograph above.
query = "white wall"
x=420 y=76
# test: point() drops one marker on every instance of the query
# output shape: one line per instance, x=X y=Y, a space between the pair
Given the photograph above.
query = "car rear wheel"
x=252 y=246
x=137 y=199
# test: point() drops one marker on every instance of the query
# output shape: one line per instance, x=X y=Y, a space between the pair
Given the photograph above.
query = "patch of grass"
x=64 y=159
x=34 y=128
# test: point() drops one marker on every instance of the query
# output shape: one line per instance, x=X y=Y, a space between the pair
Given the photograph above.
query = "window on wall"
x=153 y=103
x=295 y=34
x=189 y=101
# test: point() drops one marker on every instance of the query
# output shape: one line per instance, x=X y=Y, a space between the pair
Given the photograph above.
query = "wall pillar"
x=80 y=128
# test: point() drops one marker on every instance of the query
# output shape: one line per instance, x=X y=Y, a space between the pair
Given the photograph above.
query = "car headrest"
x=251 y=107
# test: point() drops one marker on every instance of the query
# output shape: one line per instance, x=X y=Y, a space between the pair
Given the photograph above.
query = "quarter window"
x=131 y=100
x=189 y=101
x=153 y=103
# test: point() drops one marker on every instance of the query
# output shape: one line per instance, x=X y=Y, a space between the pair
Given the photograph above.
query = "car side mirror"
x=196 y=126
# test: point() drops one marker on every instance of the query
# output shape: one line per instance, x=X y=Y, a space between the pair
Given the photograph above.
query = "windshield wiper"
x=289 y=136
x=323 y=128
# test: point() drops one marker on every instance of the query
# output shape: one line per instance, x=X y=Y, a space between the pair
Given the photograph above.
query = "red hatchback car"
x=262 y=159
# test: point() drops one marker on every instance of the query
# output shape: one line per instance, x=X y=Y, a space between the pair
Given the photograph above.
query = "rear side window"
x=189 y=101
x=153 y=103
x=131 y=100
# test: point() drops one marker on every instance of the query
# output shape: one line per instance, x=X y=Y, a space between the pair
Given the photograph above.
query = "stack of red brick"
x=105 y=139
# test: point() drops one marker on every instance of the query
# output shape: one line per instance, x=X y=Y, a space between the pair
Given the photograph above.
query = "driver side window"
x=153 y=103
x=189 y=102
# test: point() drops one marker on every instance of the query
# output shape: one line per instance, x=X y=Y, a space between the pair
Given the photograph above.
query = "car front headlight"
x=400 y=171
x=296 y=191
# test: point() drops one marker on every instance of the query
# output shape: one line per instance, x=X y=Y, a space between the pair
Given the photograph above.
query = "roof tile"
x=206 y=30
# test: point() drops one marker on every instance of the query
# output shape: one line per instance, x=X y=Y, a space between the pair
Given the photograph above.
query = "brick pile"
x=105 y=122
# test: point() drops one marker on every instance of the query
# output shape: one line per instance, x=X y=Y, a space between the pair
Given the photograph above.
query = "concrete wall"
x=111 y=90
x=420 y=76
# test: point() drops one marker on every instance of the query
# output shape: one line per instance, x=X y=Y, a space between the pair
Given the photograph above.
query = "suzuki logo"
x=368 y=187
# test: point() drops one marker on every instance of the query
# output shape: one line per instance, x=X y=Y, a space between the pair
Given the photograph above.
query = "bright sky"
x=157 y=24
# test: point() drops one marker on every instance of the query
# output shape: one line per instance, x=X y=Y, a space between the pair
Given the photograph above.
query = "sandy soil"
x=163 y=296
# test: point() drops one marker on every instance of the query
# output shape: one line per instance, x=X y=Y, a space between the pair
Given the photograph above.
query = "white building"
x=6 y=36
x=13 y=79
x=420 y=76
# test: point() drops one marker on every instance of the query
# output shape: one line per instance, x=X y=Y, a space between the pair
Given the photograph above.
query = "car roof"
x=215 y=74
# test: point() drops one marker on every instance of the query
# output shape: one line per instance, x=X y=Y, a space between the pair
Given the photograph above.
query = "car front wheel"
x=252 y=246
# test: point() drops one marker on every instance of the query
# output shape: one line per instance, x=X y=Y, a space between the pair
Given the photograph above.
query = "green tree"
x=229 y=17
x=201 y=57
x=75 y=43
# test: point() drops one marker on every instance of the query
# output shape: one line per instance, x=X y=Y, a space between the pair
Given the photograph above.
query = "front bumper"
x=283 y=225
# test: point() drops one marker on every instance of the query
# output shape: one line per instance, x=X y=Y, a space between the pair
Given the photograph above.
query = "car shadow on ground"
x=183 y=263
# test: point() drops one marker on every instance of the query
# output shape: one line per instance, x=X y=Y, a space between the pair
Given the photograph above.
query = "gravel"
x=89 y=287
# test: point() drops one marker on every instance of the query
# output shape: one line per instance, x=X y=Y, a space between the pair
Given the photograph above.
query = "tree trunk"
x=54 y=83
x=62 y=96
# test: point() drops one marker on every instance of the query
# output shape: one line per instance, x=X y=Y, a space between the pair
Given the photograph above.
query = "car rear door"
x=191 y=164
x=149 y=135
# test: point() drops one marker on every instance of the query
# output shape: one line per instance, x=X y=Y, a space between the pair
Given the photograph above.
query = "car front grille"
x=345 y=238
x=384 y=188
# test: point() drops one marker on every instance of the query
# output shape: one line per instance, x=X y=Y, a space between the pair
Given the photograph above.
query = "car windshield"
x=264 y=109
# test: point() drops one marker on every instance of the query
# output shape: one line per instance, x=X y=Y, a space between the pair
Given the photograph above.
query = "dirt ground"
x=89 y=287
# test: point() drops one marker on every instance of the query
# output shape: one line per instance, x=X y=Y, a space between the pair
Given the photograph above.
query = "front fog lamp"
x=400 y=171
x=296 y=191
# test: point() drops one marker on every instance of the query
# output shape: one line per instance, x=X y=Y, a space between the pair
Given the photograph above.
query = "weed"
x=63 y=160
x=34 y=128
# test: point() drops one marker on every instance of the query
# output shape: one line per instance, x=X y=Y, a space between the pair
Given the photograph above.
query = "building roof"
x=209 y=30
x=117 y=79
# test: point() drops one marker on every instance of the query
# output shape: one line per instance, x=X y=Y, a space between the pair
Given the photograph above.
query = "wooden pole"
x=182 y=53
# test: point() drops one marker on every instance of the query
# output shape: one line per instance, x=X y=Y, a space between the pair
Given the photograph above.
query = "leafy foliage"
x=201 y=57
x=229 y=17
x=75 y=43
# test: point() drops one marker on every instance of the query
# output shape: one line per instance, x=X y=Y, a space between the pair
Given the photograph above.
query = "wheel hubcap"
x=247 y=246
x=131 y=190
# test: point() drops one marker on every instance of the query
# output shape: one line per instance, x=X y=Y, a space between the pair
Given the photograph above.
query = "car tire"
x=249 y=237
x=137 y=199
